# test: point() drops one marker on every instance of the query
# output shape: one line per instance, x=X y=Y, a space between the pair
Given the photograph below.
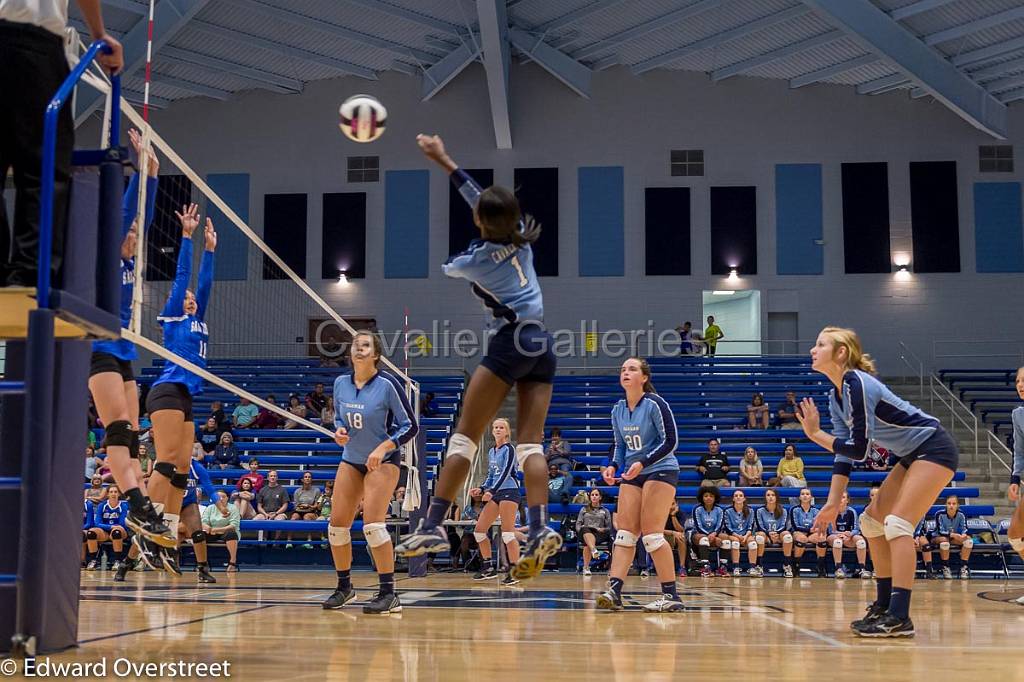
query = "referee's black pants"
x=32 y=68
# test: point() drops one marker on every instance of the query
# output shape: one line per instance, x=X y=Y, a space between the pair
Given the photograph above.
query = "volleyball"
x=362 y=118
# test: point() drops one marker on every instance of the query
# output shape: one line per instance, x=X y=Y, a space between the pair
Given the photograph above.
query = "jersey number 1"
x=514 y=260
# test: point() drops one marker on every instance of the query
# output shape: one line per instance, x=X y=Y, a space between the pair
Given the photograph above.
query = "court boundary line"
x=171 y=625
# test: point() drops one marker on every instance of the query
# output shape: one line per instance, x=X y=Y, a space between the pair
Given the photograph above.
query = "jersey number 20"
x=633 y=442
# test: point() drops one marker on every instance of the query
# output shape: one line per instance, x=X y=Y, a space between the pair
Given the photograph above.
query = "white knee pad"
x=479 y=537
x=461 y=446
x=759 y=540
x=837 y=543
x=654 y=541
x=727 y=544
x=625 y=539
x=524 y=452
x=897 y=527
x=861 y=543
x=870 y=528
x=508 y=537
x=752 y=545
x=968 y=543
x=376 y=534
x=339 y=536
x=787 y=538
x=1017 y=544
x=944 y=546
x=704 y=542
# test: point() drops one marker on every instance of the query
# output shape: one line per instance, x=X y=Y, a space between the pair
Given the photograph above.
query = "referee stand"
x=44 y=390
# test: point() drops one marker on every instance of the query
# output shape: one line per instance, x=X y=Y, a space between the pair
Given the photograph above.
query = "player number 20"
x=634 y=442
x=355 y=420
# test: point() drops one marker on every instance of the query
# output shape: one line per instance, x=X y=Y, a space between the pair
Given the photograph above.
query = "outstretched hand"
x=189 y=219
x=808 y=416
x=211 y=236
x=432 y=147
x=153 y=161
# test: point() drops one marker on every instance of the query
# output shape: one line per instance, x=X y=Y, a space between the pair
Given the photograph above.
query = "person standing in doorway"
x=712 y=335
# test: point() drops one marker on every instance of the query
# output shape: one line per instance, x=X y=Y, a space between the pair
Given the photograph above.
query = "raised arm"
x=174 y=309
x=205 y=484
x=206 y=271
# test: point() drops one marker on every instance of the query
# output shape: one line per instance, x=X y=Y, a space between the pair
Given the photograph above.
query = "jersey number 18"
x=354 y=419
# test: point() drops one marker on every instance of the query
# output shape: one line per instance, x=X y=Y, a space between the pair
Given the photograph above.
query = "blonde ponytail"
x=856 y=358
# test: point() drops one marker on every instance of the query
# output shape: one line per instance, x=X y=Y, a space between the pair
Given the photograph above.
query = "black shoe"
x=339 y=599
x=509 y=581
x=609 y=600
x=822 y=573
x=540 y=546
x=384 y=604
x=169 y=559
x=149 y=553
x=887 y=626
x=874 y=612
x=205 y=576
x=423 y=541
x=149 y=523
x=486 y=574
x=122 y=570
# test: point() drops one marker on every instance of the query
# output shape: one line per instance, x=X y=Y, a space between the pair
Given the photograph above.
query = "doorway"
x=781 y=334
x=738 y=314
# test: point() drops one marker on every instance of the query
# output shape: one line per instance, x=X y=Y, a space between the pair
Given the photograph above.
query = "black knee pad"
x=119 y=433
x=927 y=548
x=198 y=536
x=229 y=535
x=85 y=535
x=180 y=481
x=822 y=545
x=166 y=469
x=116 y=534
x=91 y=535
x=133 y=449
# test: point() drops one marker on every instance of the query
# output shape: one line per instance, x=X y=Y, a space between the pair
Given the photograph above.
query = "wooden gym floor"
x=269 y=626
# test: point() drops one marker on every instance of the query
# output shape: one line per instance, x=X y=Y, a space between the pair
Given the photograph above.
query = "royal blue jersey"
x=944 y=525
x=802 y=520
x=373 y=414
x=707 y=522
x=501 y=469
x=1017 y=417
x=122 y=348
x=866 y=412
x=198 y=477
x=106 y=517
x=187 y=335
x=767 y=522
x=501 y=274
x=735 y=523
x=846 y=522
x=87 y=515
x=647 y=434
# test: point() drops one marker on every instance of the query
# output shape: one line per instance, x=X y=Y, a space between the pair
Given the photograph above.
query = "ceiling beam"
x=407 y=14
x=1004 y=83
x=576 y=15
x=999 y=69
x=169 y=17
x=1012 y=96
x=189 y=86
x=258 y=77
x=832 y=71
x=447 y=68
x=776 y=55
x=879 y=33
x=137 y=97
x=970 y=27
x=918 y=8
x=573 y=74
x=991 y=52
x=720 y=38
x=881 y=84
x=139 y=8
x=494 y=43
x=640 y=30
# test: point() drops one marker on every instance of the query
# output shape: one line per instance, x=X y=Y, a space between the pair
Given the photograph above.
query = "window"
x=996 y=158
x=687 y=162
x=363 y=168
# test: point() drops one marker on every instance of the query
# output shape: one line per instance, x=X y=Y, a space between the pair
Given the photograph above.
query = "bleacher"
x=989 y=393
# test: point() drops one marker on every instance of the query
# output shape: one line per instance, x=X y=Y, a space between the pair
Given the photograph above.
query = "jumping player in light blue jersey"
x=738 y=531
x=111 y=380
x=801 y=524
x=374 y=420
x=1015 y=534
x=169 y=403
x=771 y=524
x=644 y=456
x=499 y=267
x=845 y=532
x=500 y=493
x=865 y=411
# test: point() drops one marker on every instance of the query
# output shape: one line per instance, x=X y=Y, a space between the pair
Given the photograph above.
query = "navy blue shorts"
x=521 y=353
x=395 y=457
x=939 y=448
x=100 y=363
x=506 y=495
x=670 y=477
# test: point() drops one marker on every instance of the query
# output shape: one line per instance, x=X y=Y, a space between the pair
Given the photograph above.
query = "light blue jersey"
x=647 y=434
x=707 y=522
x=1017 y=417
x=501 y=469
x=198 y=477
x=187 y=335
x=736 y=523
x=502 y=275
x=945 y=525
x=767 y=522
x=867 y=412
x=377 y=412
x=801 y=519
x=122 y=348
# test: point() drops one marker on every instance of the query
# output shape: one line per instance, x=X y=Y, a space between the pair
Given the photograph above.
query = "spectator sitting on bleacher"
x=675 y=534
x=427 y=406
x=327 y=416
x=254 y=475
x=714 y=466
x=198 y=454
x=558 y=451
x=146 y=460
x=221 y=419
x=267 y=419
x=296 y=408
x=245 y=414
x=221 y=521
x=757 y=412
x=226 y=455
x=801 y=518
x=395 y=510
x=593 y=525
x=304 y=506
x=95 y=493
x=790 y=472
x=207 y=435
x=317 y=400
x=951 y=531
x=751 y=469
x=559 y=483
x=786 y=414
x=103 y=469
x=244 y=499
x=272 y=500
x=91 y=462
x=325 y=499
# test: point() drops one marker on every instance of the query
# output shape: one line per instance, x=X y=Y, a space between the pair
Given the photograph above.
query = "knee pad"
x=704 y=542
x=797 y=543
x=752 y=545
x=166 y=469
x=927 y=547
x=229 y=535
x=726 y=544
x=508 y=537
x=625 y=539
x=1017 y=544
x=787 y=538
x=119 y=434
x=376 y=534
x=91 y=535
x=654 y=541
x=896 y=527
x=759 y=540
x=116 y=534
x=525 y=452
x=869 y=527
x=837 y=543
x=461 y=446
x=968 y=543
x=824 y=545
x=133 y=449
x=479 y=537
x=944 y=546
x=179 y=481
x=198 y=536
x=338 y=536
x=861 y=543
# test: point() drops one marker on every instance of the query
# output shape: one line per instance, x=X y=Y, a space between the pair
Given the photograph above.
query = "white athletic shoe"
x=840 y=573
x=586 y=573
x=737 y=572
x=946 y=573
x=666 y=603
x=1019 y=600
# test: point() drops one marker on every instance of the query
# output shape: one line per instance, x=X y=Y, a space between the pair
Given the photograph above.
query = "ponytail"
x=528 y=232
x=856 y=357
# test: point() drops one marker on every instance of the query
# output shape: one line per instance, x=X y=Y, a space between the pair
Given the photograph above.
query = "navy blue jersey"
x=945 y=525
x=1017 y=417
x=198 y=477
x=373 y=414
x=647 y=434
x=866 y=412
x=802 y=520
x=187 y=335
x=501 y=274
x=122 y=348
x=767 y=522
x=106 y=517
x=501 y=469
x=846 y=522
x=922 y=528
x=707 y=522
x=737 y=524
